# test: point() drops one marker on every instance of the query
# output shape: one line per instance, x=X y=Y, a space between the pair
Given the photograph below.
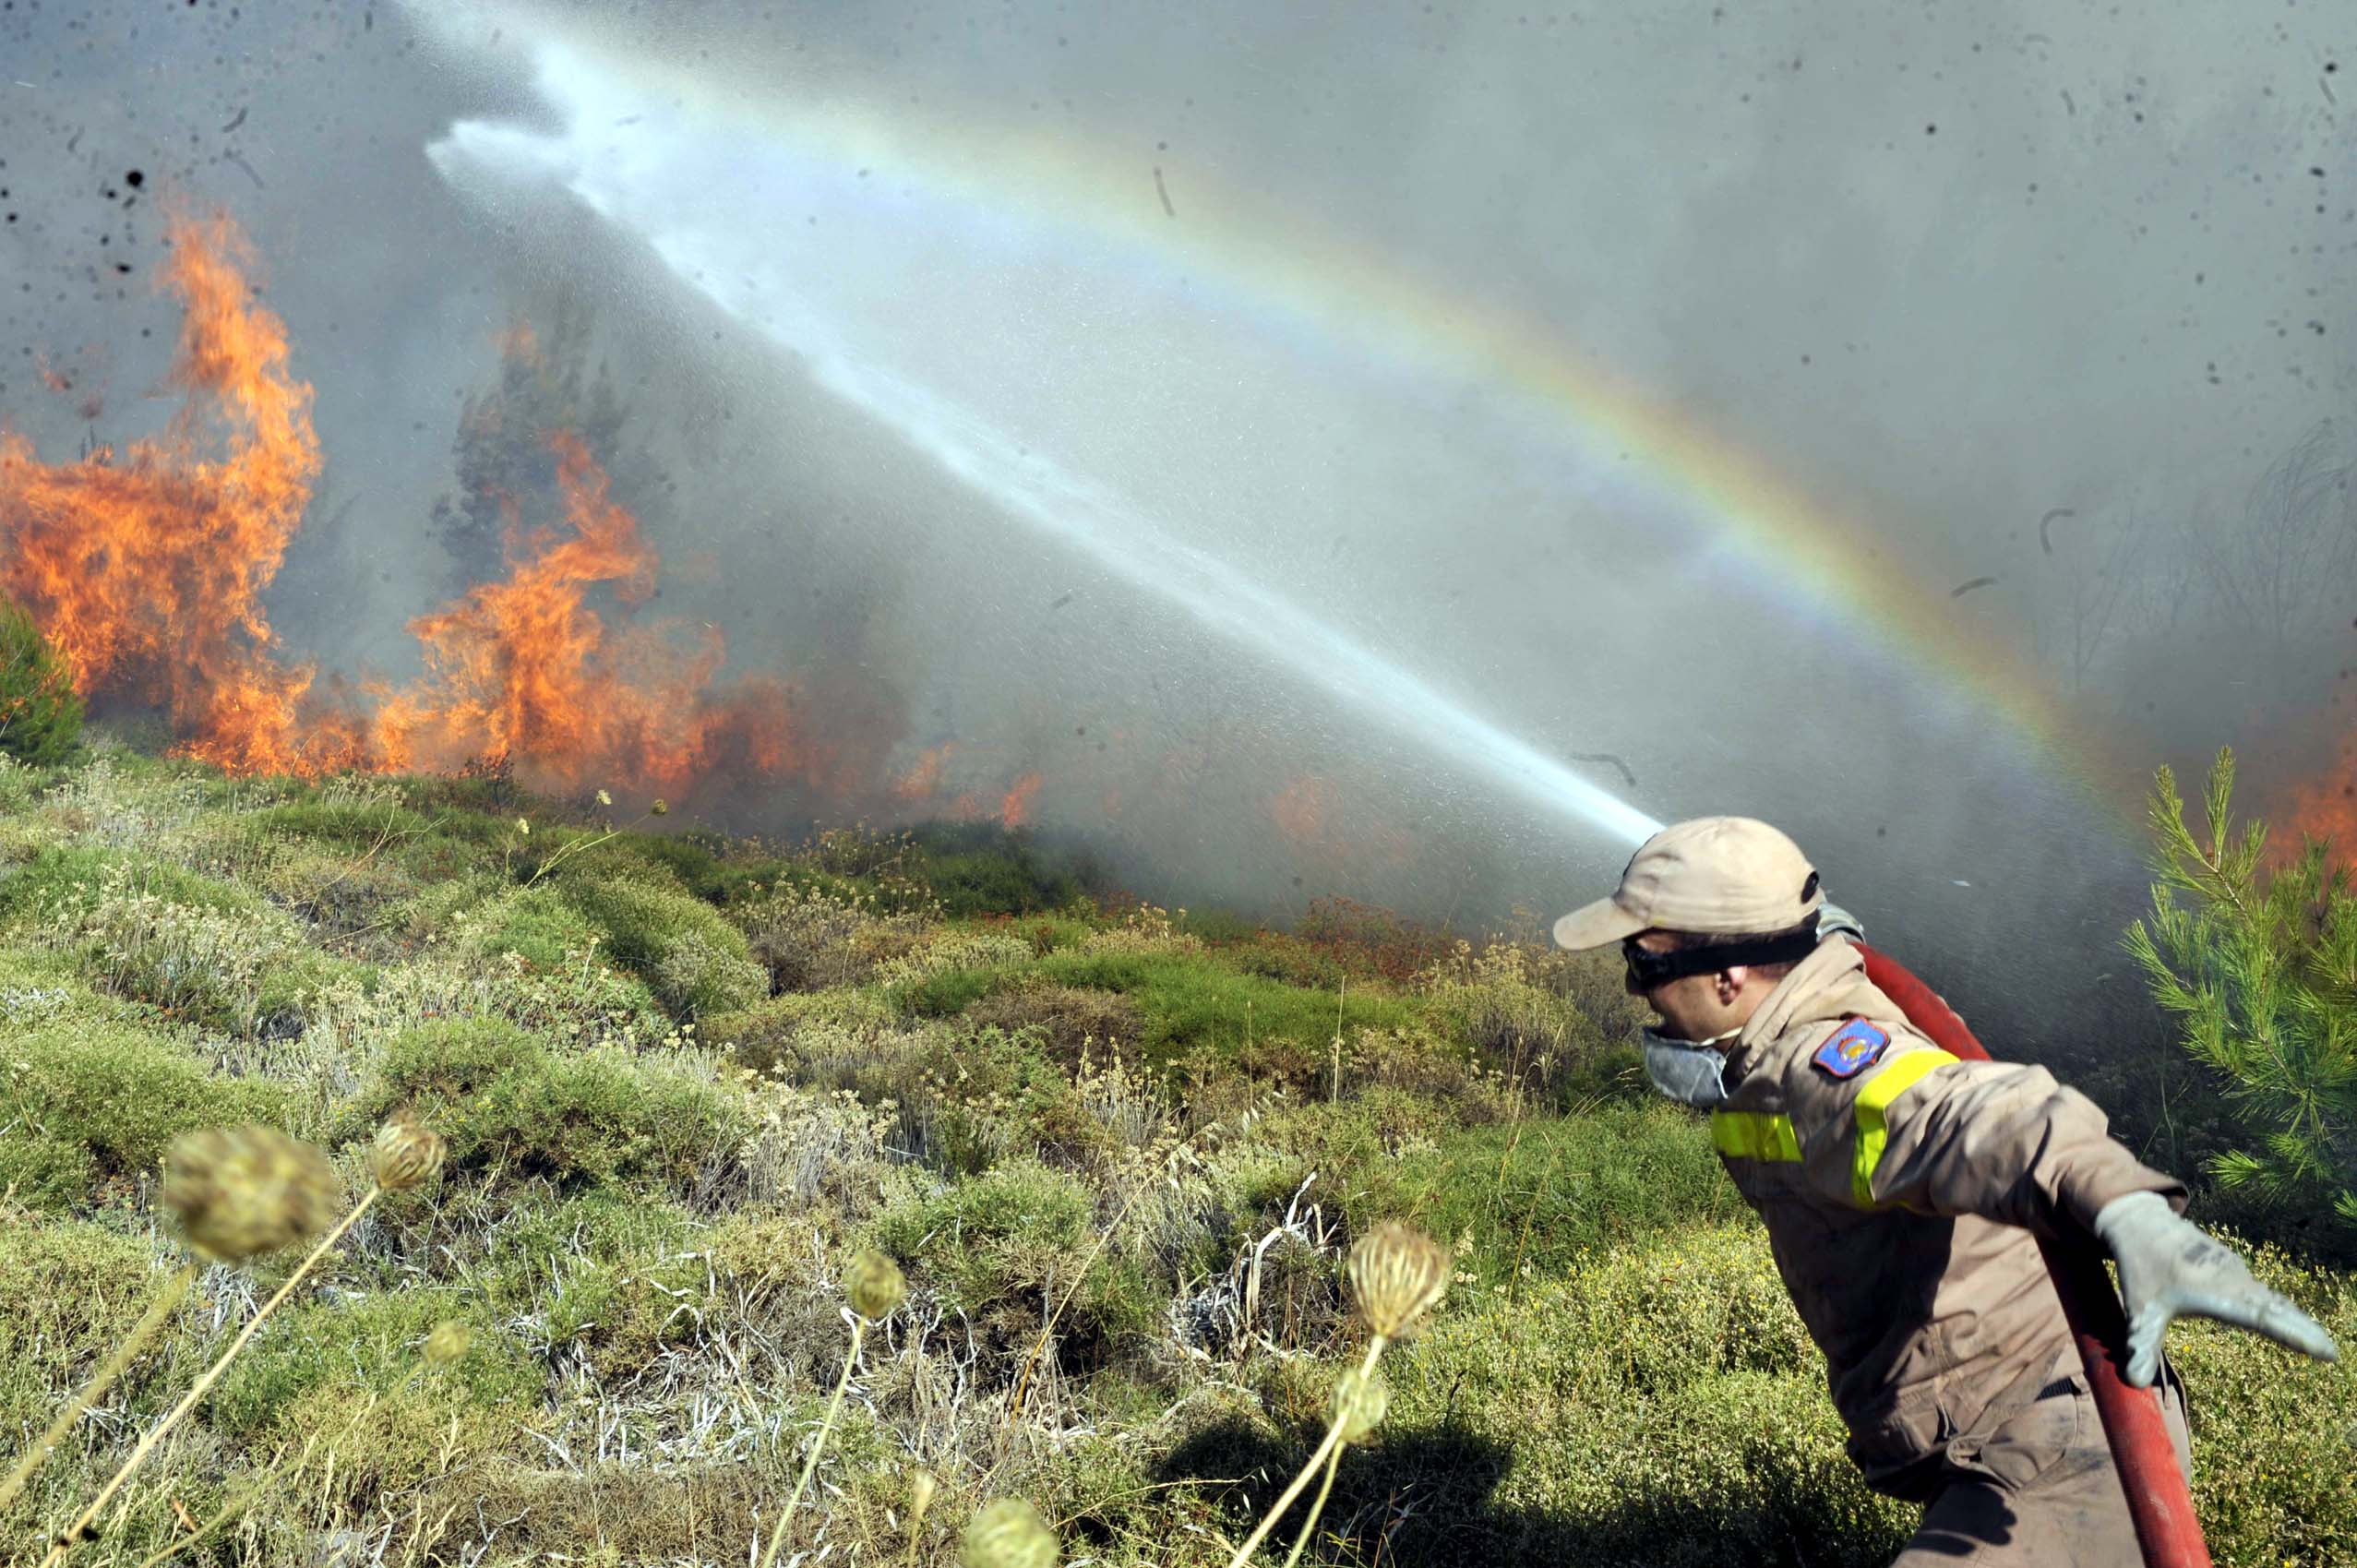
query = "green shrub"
x=2272 y=1481
x=768 y=1035
x=536 y=924
x=1068 y=1019
x=209 y=950
x=995 y=1244
x=981 y=869
x=72 y=1291
x=506 y=1102
x=1683 y=1419
x=810 y=939
x=2261 y=969
x=359 y=1345
x=101 y=1100
x=1189 y=999
x=41 y=714
x=695 y=962
x=1503 y=1000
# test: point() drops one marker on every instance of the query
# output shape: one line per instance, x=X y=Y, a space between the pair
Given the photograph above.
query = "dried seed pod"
x=451 y=1340
x=875 y=1285
x=1359 y=1403
x=240 y=1191
x=1397 y=1273
x=1009 y=1534
x=921 y=1487
x=405 y=1153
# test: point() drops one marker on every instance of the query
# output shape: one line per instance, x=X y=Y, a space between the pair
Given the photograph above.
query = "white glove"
x=2170 y=1268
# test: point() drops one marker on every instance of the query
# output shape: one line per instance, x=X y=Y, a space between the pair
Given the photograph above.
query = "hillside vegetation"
x=1119 y=1151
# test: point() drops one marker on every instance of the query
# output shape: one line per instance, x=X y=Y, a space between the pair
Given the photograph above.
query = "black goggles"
x=1648 y=969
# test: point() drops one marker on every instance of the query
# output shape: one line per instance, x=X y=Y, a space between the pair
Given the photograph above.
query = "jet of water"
x=651 y=172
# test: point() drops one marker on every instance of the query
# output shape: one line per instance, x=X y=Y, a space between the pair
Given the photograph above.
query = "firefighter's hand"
x=2170 y=1268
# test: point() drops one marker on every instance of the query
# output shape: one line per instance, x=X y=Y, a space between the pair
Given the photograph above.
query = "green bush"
x=1661 y=1405
x=209 y=950
x=993 y=1245
x=768 y=1036
x=506 y=1102
x=73 y=1290
x=2262 y=970
x=694 y=960
x=981 y=869
x=536 y=924
x=41 y=714
x=1189 y=999
x=371 y=1344
x=99 y=1101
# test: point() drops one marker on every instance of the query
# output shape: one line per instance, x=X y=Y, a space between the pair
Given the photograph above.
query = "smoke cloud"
x=1084 y=382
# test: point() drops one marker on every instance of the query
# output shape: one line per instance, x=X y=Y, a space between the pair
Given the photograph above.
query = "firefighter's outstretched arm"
x=2170 y=1268
x=2003 y=1140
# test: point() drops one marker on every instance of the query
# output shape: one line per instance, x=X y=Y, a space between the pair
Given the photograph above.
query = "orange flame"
x=1015 y=806
x=2324 y=807
x=923 y=780
x=149 y=575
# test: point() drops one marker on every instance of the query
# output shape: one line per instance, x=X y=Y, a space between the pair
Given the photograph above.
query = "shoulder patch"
x=1850 y=1049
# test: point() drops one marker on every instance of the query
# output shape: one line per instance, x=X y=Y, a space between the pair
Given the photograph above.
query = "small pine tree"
x=41 y=714
x=2261 y=967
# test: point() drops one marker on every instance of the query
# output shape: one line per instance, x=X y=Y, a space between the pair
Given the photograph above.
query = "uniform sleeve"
x=2000 y=1139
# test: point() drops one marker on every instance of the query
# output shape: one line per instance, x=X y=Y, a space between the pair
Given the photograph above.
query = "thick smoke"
x=2038 y=316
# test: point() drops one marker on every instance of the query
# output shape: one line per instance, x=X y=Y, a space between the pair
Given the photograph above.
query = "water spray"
x=631 y=176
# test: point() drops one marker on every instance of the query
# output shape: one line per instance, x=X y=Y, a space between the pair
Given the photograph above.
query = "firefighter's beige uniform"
x=1902 y=1190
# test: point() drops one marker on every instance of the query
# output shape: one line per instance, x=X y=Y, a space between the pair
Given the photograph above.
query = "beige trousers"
x=2038 y=1488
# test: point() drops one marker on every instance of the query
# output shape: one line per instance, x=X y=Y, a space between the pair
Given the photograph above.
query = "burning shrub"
x=504 y=1100
x=695 y=962
x=41 y=714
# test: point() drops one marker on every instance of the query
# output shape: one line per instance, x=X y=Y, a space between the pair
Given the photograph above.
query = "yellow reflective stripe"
x=1871 y=1107
x=1753 y=1135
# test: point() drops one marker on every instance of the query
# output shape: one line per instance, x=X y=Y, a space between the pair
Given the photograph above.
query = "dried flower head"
x=1359 y=1402
x=660 y=808
x=240 y=1191
x=875 y=1285
x=921 y=1487
x=1009 y=1534
x=451 y=1340
x=1397 y=1273
x=405 y=1153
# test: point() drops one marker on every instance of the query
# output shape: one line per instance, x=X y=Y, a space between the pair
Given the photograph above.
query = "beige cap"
x=1729 y=874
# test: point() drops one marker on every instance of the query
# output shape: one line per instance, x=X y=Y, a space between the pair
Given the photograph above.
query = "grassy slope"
x=1111 y=1118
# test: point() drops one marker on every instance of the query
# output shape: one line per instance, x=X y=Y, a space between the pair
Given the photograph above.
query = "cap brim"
x=1597 y=925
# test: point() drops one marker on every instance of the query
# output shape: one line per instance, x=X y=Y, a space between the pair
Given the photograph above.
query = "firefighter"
x=1903 y=1192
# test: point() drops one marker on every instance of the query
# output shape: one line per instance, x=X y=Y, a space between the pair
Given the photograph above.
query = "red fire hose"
x=2158 y=1499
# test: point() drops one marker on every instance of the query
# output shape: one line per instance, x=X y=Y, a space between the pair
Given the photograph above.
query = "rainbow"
x=1325 y=288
